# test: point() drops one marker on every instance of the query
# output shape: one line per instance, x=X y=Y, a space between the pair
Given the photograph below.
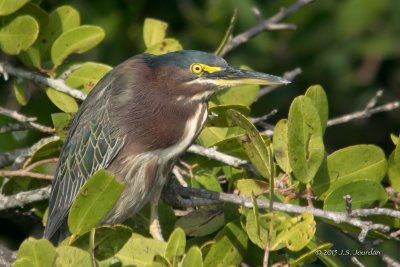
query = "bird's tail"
x=59 y=235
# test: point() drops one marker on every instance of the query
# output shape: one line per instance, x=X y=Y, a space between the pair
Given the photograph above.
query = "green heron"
x=135 y=123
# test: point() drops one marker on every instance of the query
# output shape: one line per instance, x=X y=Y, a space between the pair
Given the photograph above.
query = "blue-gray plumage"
x=135 y=123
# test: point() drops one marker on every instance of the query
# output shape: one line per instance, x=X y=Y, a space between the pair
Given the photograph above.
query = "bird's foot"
x=155 y=229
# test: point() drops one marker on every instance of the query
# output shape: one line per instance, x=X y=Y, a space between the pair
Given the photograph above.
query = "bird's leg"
x=155 y=227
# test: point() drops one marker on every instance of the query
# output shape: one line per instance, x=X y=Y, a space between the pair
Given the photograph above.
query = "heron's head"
x=195 y=76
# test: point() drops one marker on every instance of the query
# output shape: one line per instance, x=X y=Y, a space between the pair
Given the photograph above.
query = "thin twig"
x=57 y=84
x=369 y=110
x=14 y=173
x=69 y=71
x=212 y=153
x=27 y=171
x=268 y=24
x=29 y=122
x=179 y=177
x=264 y=117
x=289 y=75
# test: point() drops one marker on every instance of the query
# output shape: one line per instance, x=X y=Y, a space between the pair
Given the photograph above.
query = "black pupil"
x=197 y=68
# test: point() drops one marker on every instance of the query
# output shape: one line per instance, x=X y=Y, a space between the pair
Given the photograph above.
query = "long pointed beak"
x=232 y=77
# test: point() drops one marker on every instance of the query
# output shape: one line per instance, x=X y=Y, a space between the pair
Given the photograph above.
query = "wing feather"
x=88 y=147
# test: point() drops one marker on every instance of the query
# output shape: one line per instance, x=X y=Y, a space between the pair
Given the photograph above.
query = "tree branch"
x=27 y=122
x=268 y=24
x=57 y=84
x=364 y=113
x=212 y=153
x=369 y=110
x=27 y=171
x=23 y=198
x=337 y=217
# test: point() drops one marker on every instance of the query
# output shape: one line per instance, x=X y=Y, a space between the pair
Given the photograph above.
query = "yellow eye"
x=196 y=68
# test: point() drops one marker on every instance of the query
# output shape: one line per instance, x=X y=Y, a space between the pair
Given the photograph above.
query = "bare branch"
x=337 y=217
x=28 y=122
x=268 y=24
x=27 y=171
x=364 y=113
x=179 y=177
x=23 y=198
x=264 y=117
x=289 y=75
x=14 y=173
x=57 y=84
x=212 y=153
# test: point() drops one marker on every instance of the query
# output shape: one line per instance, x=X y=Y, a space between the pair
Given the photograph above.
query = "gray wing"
x=88 y=147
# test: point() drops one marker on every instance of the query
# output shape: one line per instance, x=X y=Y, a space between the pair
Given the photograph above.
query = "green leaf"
x=108 y=240
x=36 y=253
x=248 y=186
x=154 y=31
x=86 y=77
x=293 y=233
x=176 y=246
x=394 y=138
x=209 y=136
x=32 y=57
x=253 y=144
x=394 y=168
x=244 y=95
x=76 y=40
x=10 y=6
x=72 y=257
x=229 y=247
x=63 y=101
x=140 y=251
x=160 y=261
x=280 y=145
x=94 y=200
x=305 y=144
x=257 y=236
x=201 y=222
x=310 y=255
x=32 y=10
x=18 y=35
x=318 y=97
x=360 y=162
x=193 y=258
x=21 y=183
x=218 y=118
x=59 y=21
x=206 y=180
x=21 y=91
x=47 y=150
x=364 y=193
x=165 y=46
x=61 y=121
